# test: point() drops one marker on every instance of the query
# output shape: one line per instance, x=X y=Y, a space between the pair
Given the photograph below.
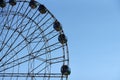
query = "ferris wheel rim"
x=60 y=33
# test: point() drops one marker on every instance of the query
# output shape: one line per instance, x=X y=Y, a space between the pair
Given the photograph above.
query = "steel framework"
x=32 y=42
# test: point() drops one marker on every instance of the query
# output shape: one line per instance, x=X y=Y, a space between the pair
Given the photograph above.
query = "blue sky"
x=93 y=31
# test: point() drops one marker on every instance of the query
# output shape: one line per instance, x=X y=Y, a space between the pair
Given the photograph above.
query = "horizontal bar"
x=54 y=75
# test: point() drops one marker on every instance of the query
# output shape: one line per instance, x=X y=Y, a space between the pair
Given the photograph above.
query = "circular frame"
x=32 y=42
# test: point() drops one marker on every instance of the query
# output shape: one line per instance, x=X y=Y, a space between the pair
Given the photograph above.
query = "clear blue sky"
x=93 y=31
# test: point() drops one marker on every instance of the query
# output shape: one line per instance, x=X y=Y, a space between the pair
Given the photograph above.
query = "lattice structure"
x=33 y=45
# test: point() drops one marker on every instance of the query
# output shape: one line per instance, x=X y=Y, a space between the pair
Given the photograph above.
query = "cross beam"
x=55 y=75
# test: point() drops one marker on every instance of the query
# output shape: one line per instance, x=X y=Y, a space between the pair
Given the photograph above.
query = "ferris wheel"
x=33 y=45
